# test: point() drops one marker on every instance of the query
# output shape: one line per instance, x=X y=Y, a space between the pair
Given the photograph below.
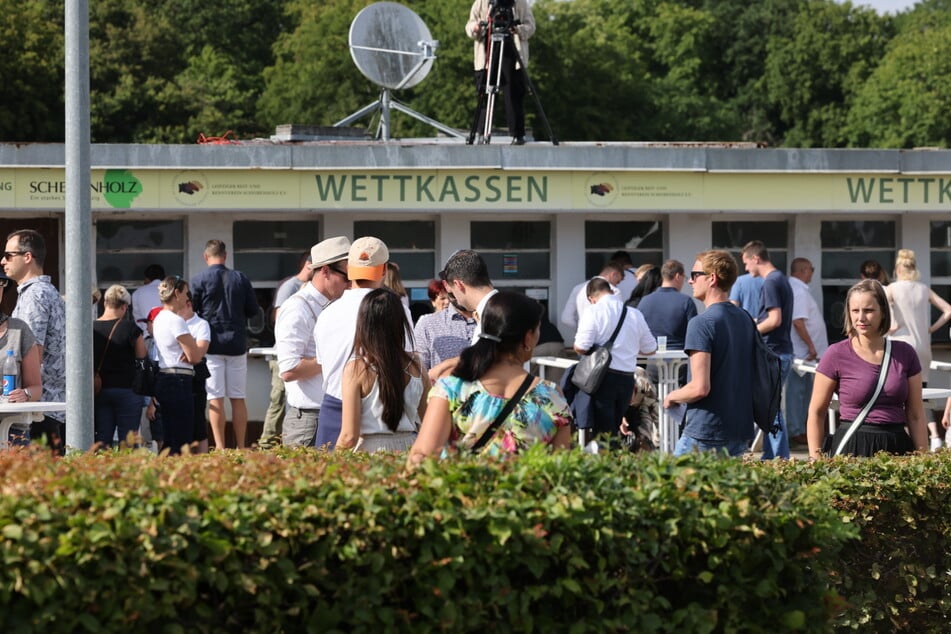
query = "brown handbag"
x=97 y=378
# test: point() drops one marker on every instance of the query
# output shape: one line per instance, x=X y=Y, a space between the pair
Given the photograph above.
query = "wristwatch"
x=29 y=395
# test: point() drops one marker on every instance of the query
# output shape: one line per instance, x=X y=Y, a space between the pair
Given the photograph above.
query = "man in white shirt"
x=274 y=416
x=629 y=279
x=809 y=341
x=294 y=339
x=146 y=297
x=337 y=325
x=634 y=337
x=578 y=297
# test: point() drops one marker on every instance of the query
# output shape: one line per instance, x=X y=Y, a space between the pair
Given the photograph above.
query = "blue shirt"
x=726 y=413
x=225 y=299
x=777 y=293
x=746 y=292
x=667 y=312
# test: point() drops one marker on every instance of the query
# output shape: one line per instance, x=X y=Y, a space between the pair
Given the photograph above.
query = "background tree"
x=904 y=102
x=684 y=107
x=588 y=70
x=163 y=72
x=31 y=71
x=780 y=72
x=814 y=70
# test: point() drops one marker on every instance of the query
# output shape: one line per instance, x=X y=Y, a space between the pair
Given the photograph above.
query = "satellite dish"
x=392 y=47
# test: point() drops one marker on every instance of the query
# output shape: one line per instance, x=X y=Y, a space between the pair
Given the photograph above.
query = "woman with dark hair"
x=463 y=406
x=852 y=368
x=647 y=283
x=177 y=352
x=383 y=384
x=872 y=270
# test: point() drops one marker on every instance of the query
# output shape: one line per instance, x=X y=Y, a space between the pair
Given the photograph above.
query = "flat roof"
x=452 y=154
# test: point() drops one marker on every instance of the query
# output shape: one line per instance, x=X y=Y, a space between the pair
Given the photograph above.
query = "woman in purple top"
x=851 y=368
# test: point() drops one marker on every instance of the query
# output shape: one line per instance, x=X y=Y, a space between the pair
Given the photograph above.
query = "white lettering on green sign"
x=405 y=188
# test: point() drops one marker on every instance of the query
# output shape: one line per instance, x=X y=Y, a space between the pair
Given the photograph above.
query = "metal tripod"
x=495 y=41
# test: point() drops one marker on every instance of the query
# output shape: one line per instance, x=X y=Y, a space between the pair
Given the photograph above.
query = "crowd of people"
x=358 y=369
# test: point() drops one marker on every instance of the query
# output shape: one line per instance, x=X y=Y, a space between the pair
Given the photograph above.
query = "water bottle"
x=11 y=373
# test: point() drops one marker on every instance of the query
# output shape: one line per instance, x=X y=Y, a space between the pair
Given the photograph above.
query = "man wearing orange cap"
x=337 y=325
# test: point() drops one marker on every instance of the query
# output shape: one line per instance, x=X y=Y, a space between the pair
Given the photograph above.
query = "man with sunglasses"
x=295 y=344
x=719 y=343
x=39 y=305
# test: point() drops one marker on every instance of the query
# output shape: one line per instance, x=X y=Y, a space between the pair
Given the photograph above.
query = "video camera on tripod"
x=502 y=15
x=502 y=57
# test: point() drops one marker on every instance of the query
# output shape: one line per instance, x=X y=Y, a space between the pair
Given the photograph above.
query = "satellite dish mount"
x=392 y=47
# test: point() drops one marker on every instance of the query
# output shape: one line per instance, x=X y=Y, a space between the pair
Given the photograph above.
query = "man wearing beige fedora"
x=294 y=339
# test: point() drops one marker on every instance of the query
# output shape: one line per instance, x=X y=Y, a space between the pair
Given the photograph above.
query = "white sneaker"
x=936 y=443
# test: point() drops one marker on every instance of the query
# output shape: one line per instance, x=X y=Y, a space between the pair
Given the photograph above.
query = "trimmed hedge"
x=897 y=576
x=307 y=541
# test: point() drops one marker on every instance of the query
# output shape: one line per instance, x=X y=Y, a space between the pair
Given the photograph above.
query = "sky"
x=886 y=6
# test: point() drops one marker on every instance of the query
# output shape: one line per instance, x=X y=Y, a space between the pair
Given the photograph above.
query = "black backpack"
x=767 y=384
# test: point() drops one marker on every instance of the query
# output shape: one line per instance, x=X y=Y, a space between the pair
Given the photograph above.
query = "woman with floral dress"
x=463 y=406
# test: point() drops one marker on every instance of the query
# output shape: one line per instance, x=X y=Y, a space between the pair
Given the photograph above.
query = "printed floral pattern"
x=536 y=418
x=40 y=306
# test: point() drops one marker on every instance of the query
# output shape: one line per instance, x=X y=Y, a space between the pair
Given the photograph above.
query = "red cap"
x=152 y=313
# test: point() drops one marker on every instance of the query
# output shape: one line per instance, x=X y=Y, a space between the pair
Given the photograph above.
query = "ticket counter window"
x=734 y=235
x=268 y=251
x=411 y=243
x=643 y=240
x=124 y=248
x=515 y=250
x=941 y=272
x=846 y=244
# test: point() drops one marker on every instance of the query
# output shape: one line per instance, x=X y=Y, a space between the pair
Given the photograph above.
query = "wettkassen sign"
x=480 y=190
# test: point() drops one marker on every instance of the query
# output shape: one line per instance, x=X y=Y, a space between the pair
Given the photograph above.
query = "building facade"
x=544 y=217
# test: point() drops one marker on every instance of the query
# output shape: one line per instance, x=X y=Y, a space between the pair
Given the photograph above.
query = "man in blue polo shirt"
x=774 y=322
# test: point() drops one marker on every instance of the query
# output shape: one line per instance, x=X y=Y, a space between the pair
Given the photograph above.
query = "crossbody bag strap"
x=106 y=349
x=617 y=329
x=886 y=358
x=479 y=444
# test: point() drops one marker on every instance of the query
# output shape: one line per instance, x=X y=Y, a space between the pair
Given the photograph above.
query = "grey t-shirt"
x=287 y=288
x=19 y=338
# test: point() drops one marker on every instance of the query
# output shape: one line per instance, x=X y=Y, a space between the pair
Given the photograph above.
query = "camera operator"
x=514 y=17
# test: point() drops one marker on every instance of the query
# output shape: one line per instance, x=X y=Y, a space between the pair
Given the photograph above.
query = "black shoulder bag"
x=479 y=444
x=590 y=371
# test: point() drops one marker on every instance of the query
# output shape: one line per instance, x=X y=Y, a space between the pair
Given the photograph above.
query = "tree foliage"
x=31 y=72
x=812 y=72
x=905 y=101
x=805 y=73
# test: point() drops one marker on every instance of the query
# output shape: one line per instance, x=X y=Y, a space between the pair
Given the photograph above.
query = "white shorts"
x=229 y=376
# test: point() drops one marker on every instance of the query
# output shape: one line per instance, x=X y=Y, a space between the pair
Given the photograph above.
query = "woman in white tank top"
x=383 y=384
x=911 y=301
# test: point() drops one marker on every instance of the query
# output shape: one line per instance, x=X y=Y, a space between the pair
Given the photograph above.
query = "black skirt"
x=870 y=439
